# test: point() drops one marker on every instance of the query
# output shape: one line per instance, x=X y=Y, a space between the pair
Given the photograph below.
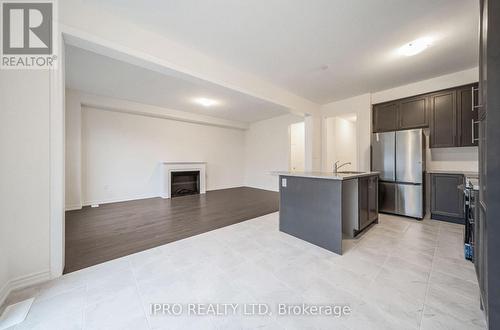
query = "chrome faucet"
x=336 y=166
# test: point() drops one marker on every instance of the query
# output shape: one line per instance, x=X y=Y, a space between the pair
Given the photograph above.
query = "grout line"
x=85 y=305
x=139 y=292
x=427 y=289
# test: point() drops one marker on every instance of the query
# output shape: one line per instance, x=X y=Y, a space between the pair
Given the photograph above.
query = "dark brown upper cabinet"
x=443 y=106
x=413 y=113
x=468 y=116
x=385 y=117
x=451 y=114
x=401 y=114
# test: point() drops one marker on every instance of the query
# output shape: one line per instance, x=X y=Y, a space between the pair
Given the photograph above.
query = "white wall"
x=4 y=264
x=361 y=106
x=121 y=154
x=341 y=144
x=297 y=146
x=24 y=175
x=267 y=148
x=313 y=142
x=452 y=159
x=73 y=144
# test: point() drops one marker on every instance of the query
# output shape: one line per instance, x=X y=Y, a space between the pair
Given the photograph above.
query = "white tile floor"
x=401 y=274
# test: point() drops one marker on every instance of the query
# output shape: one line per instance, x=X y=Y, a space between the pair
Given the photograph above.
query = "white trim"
x=73 y=207
x=106 y=103
x=127 y=199
x=23 y=282
x=4 y=292
x=118 y=200
x=261 y=188
x=194 y=162
x=57 y=162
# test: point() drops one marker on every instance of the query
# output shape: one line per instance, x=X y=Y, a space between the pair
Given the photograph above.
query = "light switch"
x=283 y=182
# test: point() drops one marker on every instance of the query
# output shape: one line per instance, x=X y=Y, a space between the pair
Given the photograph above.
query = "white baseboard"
x=73 y=207
x=118 y=200
x=4 y=292
x=126 y=199
x=262 y=187
x=22 y=282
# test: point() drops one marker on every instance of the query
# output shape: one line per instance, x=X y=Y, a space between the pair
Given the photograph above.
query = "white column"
x=313 y=142
x=57 y=163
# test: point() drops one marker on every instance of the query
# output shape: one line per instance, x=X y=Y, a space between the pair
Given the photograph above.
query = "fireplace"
x=184 y=183
x=168 y=168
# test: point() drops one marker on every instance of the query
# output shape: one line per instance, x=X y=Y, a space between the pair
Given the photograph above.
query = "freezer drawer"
x=383 y=155
x=387 y=197
x=409 y=200
x=409 y=156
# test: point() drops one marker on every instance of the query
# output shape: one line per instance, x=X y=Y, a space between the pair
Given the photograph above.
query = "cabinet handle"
x=472 y=126
x=474 y=107
x=473 y=89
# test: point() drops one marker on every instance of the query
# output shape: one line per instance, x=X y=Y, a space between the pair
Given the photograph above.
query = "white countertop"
x=466 y=173
x=327 y=175
x=194 y=162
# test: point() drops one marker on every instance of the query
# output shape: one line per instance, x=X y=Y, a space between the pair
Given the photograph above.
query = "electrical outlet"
x=283 y=183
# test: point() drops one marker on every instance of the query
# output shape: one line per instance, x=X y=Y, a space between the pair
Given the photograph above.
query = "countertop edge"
x=466 y=173
x=326 y=176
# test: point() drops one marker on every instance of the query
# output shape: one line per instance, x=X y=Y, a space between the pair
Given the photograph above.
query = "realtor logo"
x=27 y=29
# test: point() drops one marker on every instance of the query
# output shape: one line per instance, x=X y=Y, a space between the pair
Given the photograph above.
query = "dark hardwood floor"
x=96 y=235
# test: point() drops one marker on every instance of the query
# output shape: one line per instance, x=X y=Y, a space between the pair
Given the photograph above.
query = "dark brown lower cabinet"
x=373 y=198
x=363 y=202
x=368 y=200
x=447 y=197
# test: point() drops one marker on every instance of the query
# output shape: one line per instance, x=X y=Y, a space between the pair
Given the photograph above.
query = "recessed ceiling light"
x=205 y=102
x=416 y=46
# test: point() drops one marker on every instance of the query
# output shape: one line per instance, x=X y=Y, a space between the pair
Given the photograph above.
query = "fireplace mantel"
x=167 y=167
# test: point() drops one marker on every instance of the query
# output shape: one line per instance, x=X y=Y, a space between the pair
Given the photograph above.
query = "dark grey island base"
x=321 y=208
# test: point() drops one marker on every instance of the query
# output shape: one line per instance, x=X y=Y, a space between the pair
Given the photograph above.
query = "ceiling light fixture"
x=205 y=102
x=416 y=46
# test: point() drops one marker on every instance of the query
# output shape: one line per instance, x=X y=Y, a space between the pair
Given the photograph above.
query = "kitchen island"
x=322 y=207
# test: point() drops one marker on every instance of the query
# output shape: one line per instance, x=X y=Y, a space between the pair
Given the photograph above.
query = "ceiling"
x=100 y=75
x=322 y=50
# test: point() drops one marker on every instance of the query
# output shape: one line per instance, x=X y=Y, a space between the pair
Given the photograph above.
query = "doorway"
x=297 y=147
x=341 y=142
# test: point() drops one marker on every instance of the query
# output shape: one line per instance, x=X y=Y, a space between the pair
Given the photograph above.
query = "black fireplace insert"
x=184 y=183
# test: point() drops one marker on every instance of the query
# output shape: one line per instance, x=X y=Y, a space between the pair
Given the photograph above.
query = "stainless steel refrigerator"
x=400 y=158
